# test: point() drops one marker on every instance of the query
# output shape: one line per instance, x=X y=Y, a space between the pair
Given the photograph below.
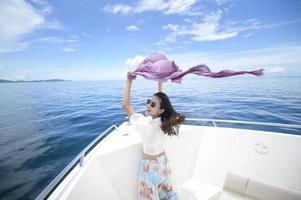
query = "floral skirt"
x=154 y=180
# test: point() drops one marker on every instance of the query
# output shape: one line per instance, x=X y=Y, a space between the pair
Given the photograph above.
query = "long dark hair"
x=170 y=118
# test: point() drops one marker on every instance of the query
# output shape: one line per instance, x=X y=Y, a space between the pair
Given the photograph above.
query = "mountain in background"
x=50 y=80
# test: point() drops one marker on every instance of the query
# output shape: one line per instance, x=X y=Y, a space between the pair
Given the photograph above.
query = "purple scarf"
x=157 y=67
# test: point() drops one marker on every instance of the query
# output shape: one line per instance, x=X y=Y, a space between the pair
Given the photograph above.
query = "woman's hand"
x=129 y=75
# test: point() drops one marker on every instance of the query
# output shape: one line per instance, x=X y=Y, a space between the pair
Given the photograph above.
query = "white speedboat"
x=206 y=162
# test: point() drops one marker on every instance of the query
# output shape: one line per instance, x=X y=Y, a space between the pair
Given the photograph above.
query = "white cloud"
x=19 y=75
x=72 y=41
x=13 y=46
x=167 y=7
x=44 y=6
x=54 y=25
x=68 y=49
x=274 y=69
x=21 y=46
x=15 y=75
x=212 y=28
x=134 y=61
x=22 y=75
x=133 y=28
x=179 y=6
x=86 y=73
x=274 y=59
x=19 y=18
x=1 y=67
x=86 y=35
x=123 y=9
x=248 y=34
x=208 y=29
x=220 y=2
x=57 y=40
x=170 y=27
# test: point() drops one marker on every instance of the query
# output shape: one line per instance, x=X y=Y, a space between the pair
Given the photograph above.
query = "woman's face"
x=153 y=107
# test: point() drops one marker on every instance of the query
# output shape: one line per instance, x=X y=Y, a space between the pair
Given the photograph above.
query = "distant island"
x=50 y=80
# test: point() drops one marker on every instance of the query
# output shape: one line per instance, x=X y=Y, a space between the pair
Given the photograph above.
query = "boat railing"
x=214 y=122
x=79 y=159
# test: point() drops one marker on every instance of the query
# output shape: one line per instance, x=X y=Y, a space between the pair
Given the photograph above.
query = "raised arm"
x=160 y=84
x=126 y=98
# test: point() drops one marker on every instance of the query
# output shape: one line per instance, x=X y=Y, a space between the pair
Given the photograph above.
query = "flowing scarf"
x=157 y=67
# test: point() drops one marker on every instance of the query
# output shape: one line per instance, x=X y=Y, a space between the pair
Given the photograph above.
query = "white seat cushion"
x=236 y=183
x=263 y=191
x=229 y=195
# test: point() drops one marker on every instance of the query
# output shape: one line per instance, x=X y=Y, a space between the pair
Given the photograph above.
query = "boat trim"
x=79 y=159
x=213 y=121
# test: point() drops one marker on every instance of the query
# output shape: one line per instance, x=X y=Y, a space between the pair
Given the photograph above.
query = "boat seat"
x=234 y=188
x=263 y=191
x=238 y=187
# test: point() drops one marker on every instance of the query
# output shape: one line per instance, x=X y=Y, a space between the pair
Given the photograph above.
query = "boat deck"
x=200 y=158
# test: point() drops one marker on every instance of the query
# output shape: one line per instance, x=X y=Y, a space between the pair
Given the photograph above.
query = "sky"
x=100 y=40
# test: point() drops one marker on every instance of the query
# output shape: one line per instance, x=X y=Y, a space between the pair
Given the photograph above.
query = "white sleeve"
x=140 y=120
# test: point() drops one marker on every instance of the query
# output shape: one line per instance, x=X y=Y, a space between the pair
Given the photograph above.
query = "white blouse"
x=152 y=137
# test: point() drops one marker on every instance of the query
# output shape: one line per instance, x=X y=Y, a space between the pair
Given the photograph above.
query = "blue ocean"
x=44 y=125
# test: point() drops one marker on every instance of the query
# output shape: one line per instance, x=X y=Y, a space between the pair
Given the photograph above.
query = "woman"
x=161 y=120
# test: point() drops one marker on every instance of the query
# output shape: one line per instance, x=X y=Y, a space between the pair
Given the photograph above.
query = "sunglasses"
x=152 y=103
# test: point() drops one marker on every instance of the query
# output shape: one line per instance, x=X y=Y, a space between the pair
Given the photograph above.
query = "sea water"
x=44 y=125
